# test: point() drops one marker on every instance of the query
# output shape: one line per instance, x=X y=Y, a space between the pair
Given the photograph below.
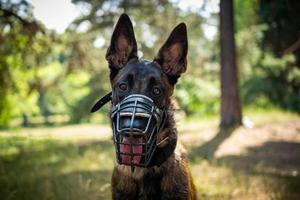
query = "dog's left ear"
x=123 y=45
x=172 y=55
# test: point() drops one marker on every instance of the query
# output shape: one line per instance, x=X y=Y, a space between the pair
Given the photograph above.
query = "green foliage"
x=5 y=111
x=197 y=96
x=242 y=11
x=15 y=38
x=283 y=27
x=266 y=80
x=276 y=79
x=43 y=74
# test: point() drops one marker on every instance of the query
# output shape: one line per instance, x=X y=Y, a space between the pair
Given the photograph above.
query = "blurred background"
x=53 y=69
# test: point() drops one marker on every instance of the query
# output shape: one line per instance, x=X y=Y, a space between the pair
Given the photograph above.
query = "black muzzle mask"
x=136 y=121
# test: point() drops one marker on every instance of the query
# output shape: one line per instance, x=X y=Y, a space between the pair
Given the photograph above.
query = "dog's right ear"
x=123 y=45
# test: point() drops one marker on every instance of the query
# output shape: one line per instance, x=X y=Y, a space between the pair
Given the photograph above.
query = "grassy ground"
x=75 y=162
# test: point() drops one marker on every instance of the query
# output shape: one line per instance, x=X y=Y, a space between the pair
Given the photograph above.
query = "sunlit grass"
x=261 y=116
x=256 y=116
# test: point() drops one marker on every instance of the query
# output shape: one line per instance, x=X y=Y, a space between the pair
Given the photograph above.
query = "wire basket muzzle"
x=136 y=121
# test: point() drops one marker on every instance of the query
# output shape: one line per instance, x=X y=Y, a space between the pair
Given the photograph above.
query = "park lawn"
x=76 y=161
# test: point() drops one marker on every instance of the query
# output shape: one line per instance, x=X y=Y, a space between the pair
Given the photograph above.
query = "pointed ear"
x=123 y=45
x=172 y=55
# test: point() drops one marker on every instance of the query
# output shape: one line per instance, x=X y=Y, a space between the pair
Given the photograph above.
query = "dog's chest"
x=147 y=182
x=149 y=186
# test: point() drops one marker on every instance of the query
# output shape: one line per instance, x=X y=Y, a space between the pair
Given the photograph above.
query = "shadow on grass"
x=274 y=166
x=277 y=163
x=50 y=169
x=207 y=150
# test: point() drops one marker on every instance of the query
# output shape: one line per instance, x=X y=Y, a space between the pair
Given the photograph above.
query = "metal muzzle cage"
x=136 y=121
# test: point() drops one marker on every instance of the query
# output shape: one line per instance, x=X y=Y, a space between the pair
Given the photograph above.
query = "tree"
x=281 y=40
x=17 y=33
x=231 y=112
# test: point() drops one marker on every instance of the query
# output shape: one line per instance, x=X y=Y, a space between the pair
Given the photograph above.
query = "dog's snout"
x=136 y=122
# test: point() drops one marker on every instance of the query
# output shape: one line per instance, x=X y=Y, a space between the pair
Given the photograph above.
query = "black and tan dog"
x=150 y=163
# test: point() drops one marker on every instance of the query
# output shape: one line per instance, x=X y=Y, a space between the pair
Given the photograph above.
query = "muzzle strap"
x=101 y=102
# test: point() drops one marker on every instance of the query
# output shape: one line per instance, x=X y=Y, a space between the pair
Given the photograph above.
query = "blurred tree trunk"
x=231 y=113
x=43 y=105
x=25 y=120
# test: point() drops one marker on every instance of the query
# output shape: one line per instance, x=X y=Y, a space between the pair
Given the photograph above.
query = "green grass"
x=227 y=178
x=258 y=116
x=75 y=162
x=53 y=169
x=271 y=115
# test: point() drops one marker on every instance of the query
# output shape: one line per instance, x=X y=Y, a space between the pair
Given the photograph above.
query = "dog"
x=150 y=164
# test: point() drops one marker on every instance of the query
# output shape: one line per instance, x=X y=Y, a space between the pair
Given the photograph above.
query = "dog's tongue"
x=124 y=148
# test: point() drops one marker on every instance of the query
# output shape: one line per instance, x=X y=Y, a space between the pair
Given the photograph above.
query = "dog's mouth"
x=131 y=149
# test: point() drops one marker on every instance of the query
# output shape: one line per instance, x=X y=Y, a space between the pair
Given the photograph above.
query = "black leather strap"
x=101 y=102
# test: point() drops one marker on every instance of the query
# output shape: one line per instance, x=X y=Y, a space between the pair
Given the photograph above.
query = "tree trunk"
x=25 y=122
x=231 y=114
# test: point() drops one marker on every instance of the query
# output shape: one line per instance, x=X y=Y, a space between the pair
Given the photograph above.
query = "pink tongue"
x=124 y=148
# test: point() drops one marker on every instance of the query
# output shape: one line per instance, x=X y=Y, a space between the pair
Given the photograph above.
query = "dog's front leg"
x=123 y=187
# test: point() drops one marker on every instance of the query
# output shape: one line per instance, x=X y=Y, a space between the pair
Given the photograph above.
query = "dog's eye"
x=156 y=91
x=123 y=86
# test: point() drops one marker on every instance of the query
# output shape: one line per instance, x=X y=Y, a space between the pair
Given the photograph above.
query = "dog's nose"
x=138 y=121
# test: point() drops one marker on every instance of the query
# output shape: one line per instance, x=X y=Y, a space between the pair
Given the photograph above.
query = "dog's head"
x=141 y=90
x=155 y=79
